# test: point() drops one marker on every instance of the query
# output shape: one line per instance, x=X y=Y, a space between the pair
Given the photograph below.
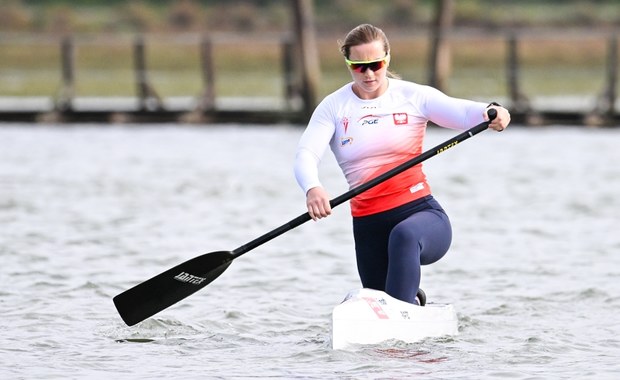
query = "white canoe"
x=368 y=316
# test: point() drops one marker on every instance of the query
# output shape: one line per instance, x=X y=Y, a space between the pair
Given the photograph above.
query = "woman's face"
x=368 y=84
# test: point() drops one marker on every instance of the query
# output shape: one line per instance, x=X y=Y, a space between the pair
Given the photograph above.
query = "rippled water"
x=89 y=211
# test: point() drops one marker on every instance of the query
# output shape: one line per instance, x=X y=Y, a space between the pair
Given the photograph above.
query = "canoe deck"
x=368 y=316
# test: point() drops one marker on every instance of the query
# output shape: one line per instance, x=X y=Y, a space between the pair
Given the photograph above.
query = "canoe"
x=368 y=316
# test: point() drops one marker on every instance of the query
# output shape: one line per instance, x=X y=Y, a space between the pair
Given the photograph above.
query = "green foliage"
x=265 y=15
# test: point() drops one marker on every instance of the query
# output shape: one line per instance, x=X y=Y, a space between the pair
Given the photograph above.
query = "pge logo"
x=370 y=122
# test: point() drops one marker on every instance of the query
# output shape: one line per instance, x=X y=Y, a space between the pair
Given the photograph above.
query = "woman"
x=372 y=125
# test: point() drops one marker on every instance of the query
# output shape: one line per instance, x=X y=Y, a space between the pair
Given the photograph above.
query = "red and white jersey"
x=370 y=137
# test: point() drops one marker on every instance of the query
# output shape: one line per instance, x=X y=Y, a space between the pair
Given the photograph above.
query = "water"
x=87 y=212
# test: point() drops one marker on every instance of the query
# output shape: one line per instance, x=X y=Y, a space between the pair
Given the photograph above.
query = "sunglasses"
x=362 y=66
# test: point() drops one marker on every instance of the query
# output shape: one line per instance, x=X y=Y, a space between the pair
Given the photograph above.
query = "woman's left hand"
x=502 y=119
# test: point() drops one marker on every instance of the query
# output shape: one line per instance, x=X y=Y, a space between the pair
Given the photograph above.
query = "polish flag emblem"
x=400 y=118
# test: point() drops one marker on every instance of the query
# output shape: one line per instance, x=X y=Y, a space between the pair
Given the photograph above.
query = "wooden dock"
x=300 y=74
x=301 y=70
x=603 y=110
x=544 y=111
x=297 y=102
x=130 y=110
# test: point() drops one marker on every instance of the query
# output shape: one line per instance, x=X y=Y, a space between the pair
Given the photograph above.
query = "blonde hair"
x=363 y=34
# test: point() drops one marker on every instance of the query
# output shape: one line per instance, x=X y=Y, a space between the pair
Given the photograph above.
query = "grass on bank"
x=550 y=66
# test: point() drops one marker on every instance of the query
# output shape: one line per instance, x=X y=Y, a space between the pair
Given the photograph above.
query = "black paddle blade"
x=154 y=295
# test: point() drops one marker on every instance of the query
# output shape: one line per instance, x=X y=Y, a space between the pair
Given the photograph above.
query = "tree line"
x=62 y=16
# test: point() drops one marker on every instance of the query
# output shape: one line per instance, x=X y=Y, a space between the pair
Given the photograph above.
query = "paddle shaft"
x=301 y=219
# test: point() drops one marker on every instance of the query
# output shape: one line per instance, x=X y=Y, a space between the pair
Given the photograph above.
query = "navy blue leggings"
x=390 y=246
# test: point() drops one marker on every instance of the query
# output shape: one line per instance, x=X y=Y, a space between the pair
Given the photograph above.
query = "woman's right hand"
x=317 y=201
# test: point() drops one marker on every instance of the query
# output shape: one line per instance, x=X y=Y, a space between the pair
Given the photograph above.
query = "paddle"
x=156 y=294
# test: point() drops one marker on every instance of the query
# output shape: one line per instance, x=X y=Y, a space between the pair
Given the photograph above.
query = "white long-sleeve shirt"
x=370 y=137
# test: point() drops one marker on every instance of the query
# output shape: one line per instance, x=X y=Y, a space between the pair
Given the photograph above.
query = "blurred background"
x=558 y=54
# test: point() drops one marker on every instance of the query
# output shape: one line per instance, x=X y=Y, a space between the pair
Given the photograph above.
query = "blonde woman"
x=373 y=124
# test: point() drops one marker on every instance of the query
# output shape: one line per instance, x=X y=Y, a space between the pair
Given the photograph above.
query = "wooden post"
x=148 y=98
x=613 y=73
x=207 y=101
x=291 y=87
x=605 y=108
x=440 y=56
x=610 y=94
x=309 y=59
x=519 y=102
x=64 y=100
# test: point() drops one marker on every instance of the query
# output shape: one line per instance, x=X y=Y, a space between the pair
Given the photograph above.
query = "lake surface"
x=87 y=212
